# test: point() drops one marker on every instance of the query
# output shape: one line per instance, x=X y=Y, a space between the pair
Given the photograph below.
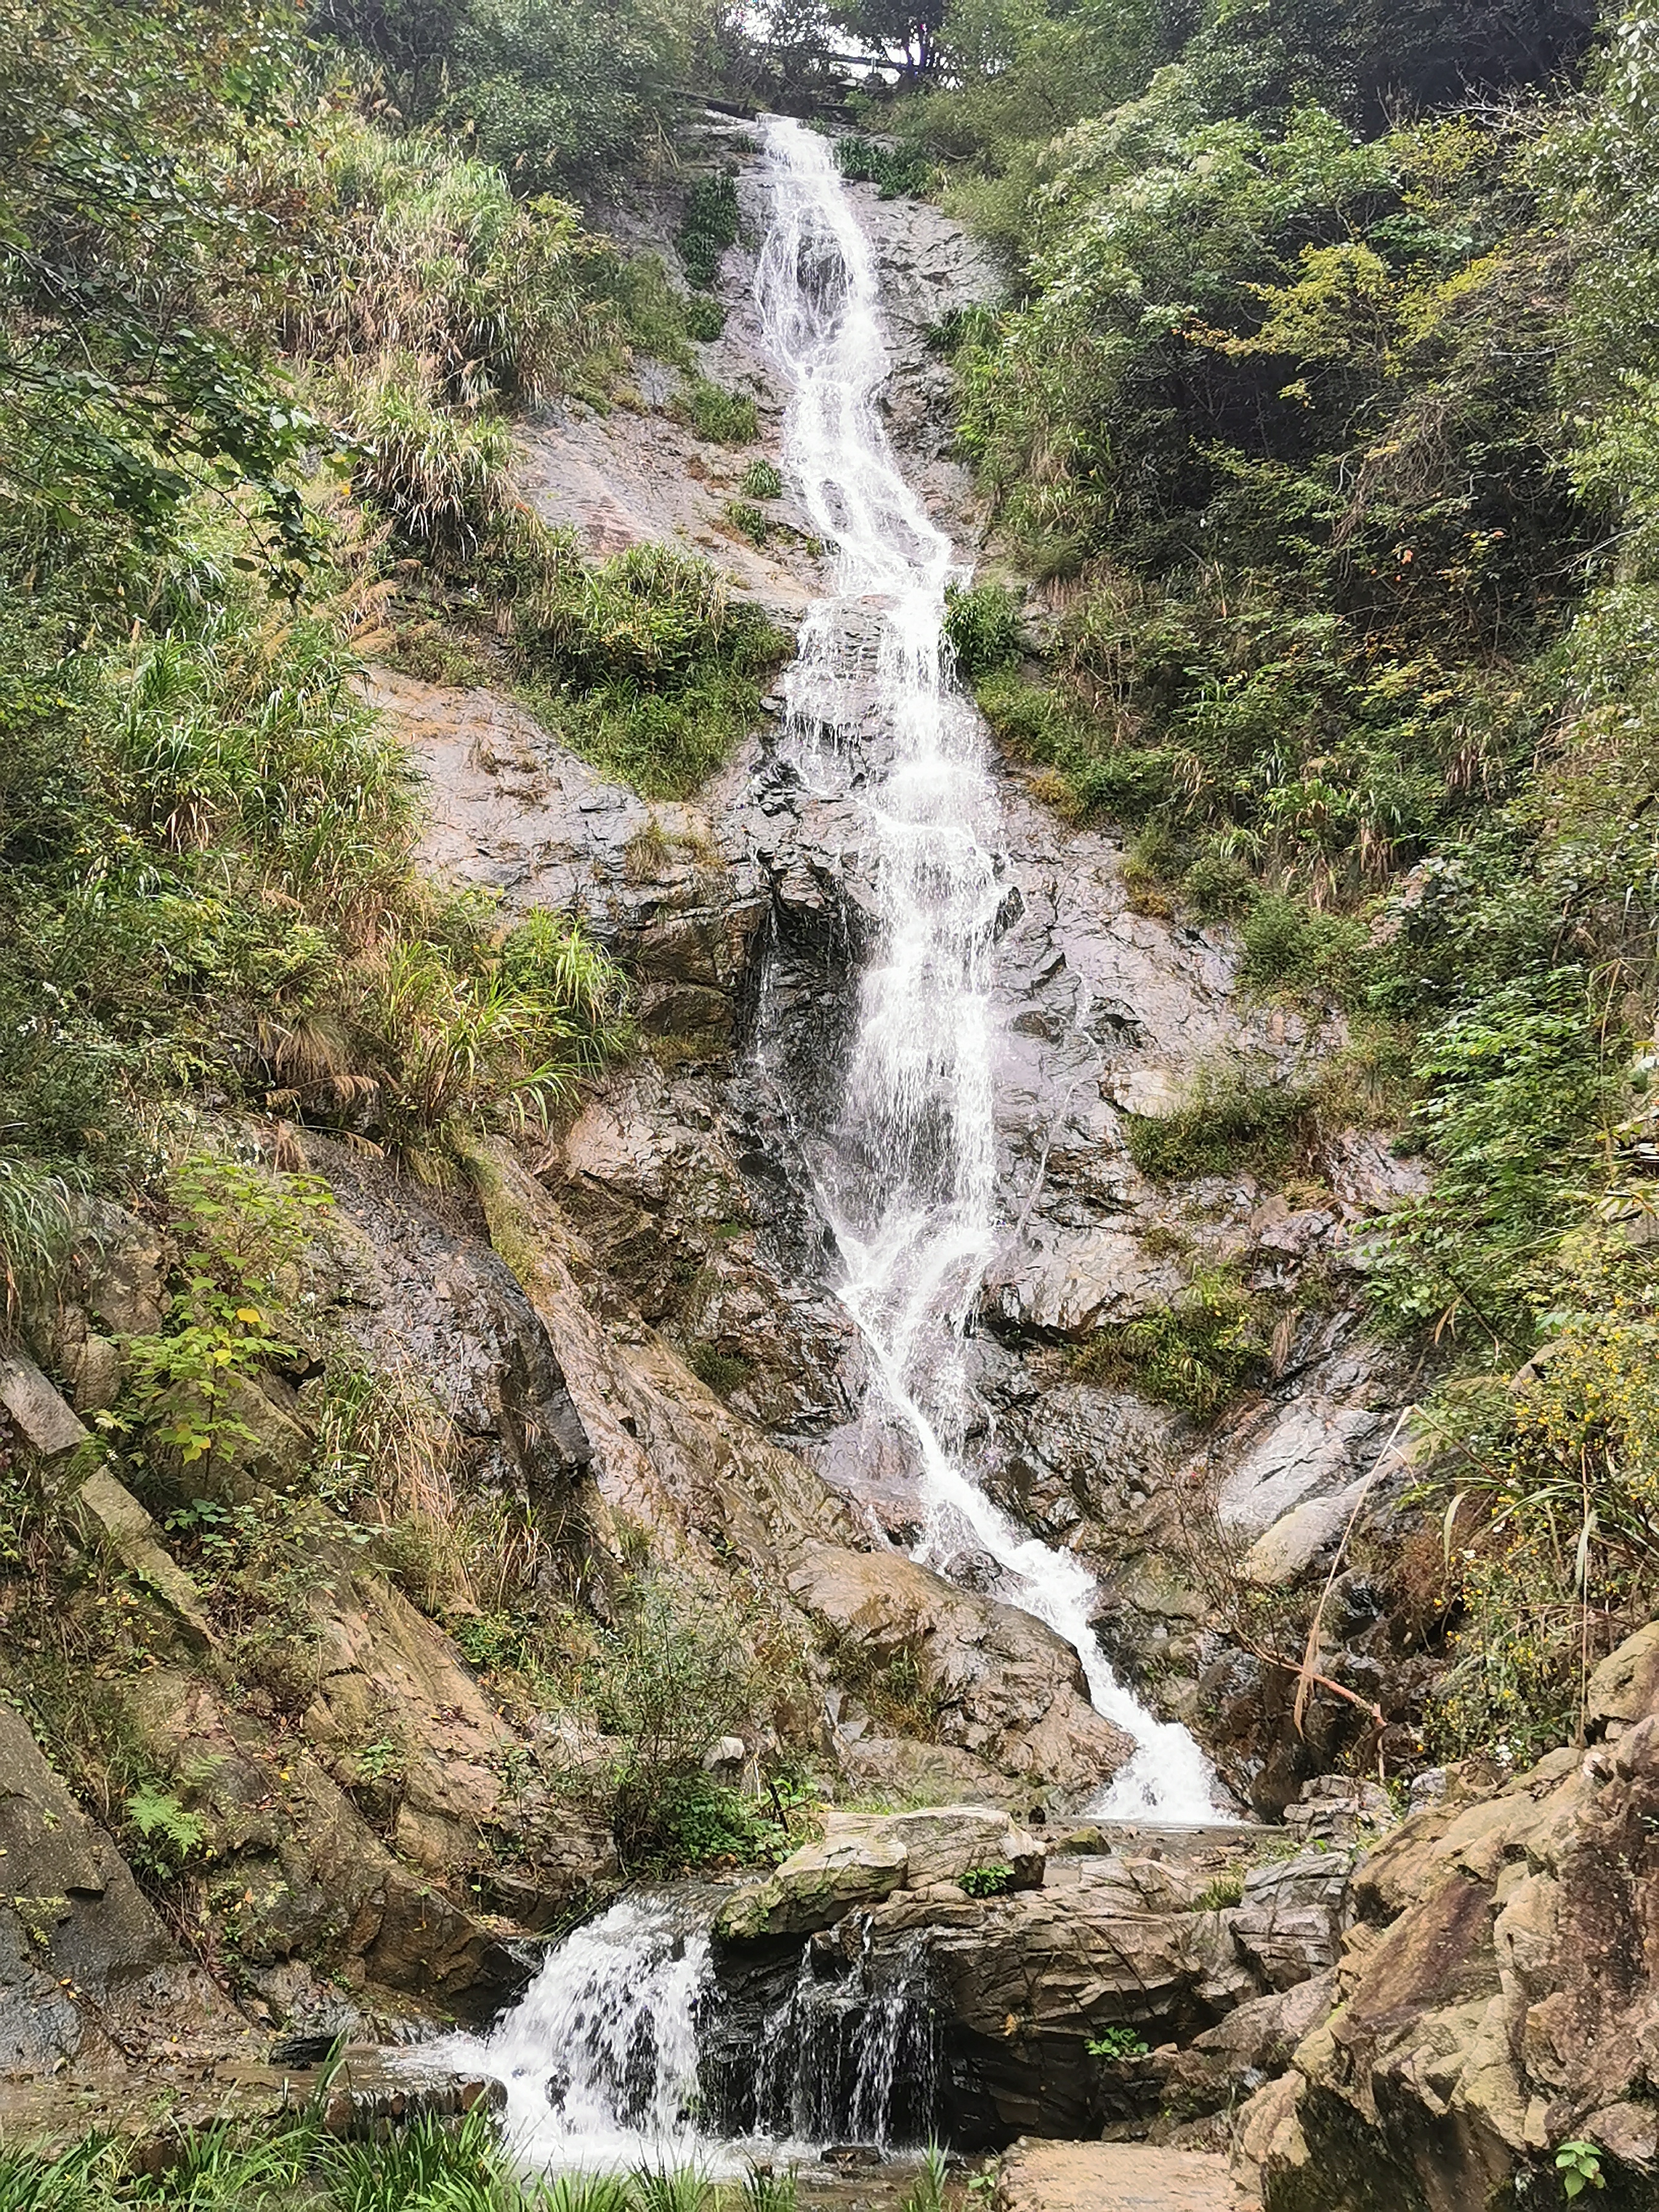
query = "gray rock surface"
x=86 y=1967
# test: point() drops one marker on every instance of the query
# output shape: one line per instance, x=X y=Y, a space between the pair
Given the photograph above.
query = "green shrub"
x=753 y=524
x=670 y=1677
x=893 y=171
x=761 y=481
x=1225 y=1891
x=983 y=626
x=1230 y=1125
x=708 y=226
x=1119 y=2041
x=37 y=1232
x=1195 y=1353
x=726 y=418
x=645 y=664
x=705 y=320
x=723 y=1372
x=1086 y=775
x=438 y=476
x=1287 y=947
x=416 y=254
x=988 y=1881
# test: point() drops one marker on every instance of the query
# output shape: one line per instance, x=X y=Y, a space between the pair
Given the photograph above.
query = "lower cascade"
x=906 y=1174
x=599 y=2056
x=624 y=2052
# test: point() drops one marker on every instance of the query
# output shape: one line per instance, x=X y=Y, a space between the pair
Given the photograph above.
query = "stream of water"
x=908 y=1181
x=601 y=2057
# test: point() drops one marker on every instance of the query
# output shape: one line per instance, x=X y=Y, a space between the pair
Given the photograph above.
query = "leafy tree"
x=138 y=269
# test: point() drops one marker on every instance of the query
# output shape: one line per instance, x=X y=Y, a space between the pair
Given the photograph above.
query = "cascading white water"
x=852 y=2057
x=599 y=2056
x=623 y=2054
x=909 y=1181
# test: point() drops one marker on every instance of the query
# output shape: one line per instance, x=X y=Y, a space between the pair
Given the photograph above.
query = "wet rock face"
x=426 y=1296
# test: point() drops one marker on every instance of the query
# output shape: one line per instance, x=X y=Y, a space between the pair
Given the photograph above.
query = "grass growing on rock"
x=1195 y=1353
x=1229 y=1124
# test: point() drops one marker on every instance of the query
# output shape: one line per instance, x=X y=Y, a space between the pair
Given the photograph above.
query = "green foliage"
x=981 y=624
x=240 y=1229
x=988 y=1881
x=428 y=2163
x=1119 y=2041
x=702 y=1822
x=669 y=2189
x=644 y=664
x=37 y=1233
x=705 y=320
x=761 y=481
x=926 y=2193
x=755 y=525
x=1193 y=1354
x=1229 y=1124
x=708 y=226
x=135 y=368
x=770 y=2191
x=420 y=262
x=439 y=477
x=1579 y=2165
x=893 y=171
x=1225 y=1891
x=551 y=94
x=668 y=1678
x=899 y=1690
x=726 y=418
x=168 y=1834
x=1517 y=1099
x=723 y=1372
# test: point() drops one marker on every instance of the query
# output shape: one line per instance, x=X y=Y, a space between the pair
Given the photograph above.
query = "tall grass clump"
x=645 y=664
x=708 y=226
x=1230 y=1123
x=418 y=253
x=37 y=1232
x=437 y=474
x=726 y=418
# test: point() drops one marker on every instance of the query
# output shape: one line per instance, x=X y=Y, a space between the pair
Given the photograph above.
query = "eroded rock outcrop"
x=1023 y=1959
x=668 y=1453
x=86 y=1968
x=1499 y=1988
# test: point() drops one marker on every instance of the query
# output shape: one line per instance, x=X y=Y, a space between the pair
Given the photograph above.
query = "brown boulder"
x=1005 y=1686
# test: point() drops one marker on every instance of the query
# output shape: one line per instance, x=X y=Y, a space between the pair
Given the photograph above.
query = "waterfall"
x=624 y=2053
x=849 y=2057
x=599 y=2056
x=907 y=1178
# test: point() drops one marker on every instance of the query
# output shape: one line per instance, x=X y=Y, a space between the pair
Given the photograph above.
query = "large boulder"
x=1003 y=1685
x=864 y=1857
x=86 y=1969
x=1291 y=1915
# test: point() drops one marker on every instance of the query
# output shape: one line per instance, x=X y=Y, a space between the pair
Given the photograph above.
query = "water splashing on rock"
x=599 y=2056
x=907 y=1174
